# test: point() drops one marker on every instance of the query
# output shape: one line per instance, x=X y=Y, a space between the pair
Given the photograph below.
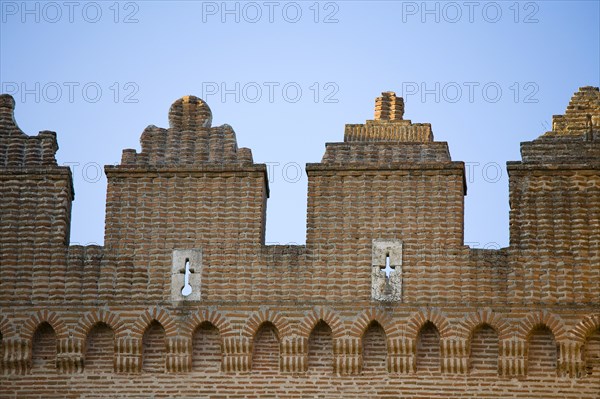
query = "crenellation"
x=582 y=115
x=8 y=125
x=383 y=300
x=389 y=107
x=189 y=140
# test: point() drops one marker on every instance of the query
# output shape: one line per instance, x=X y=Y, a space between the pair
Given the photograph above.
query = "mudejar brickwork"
x=383 y=301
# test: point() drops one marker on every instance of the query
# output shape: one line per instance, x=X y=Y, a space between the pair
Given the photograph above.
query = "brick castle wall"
x=319 y=320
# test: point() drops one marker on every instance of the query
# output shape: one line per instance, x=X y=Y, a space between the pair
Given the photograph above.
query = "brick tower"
x=555 y=209
x=35 y=212
x=388 y=181
x=191 y=189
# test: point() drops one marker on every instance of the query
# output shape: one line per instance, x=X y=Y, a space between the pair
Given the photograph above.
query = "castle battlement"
x=384 y=300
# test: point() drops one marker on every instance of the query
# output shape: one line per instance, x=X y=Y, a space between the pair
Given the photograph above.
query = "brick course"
x=292 y=321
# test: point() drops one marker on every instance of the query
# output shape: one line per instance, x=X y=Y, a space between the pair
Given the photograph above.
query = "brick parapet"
x=301 y=320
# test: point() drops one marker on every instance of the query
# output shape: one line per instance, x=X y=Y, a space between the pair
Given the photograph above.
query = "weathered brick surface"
x=35 y=212
x=299 y=321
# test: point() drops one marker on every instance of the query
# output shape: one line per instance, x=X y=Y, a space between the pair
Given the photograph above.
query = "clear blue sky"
x=288 y=75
